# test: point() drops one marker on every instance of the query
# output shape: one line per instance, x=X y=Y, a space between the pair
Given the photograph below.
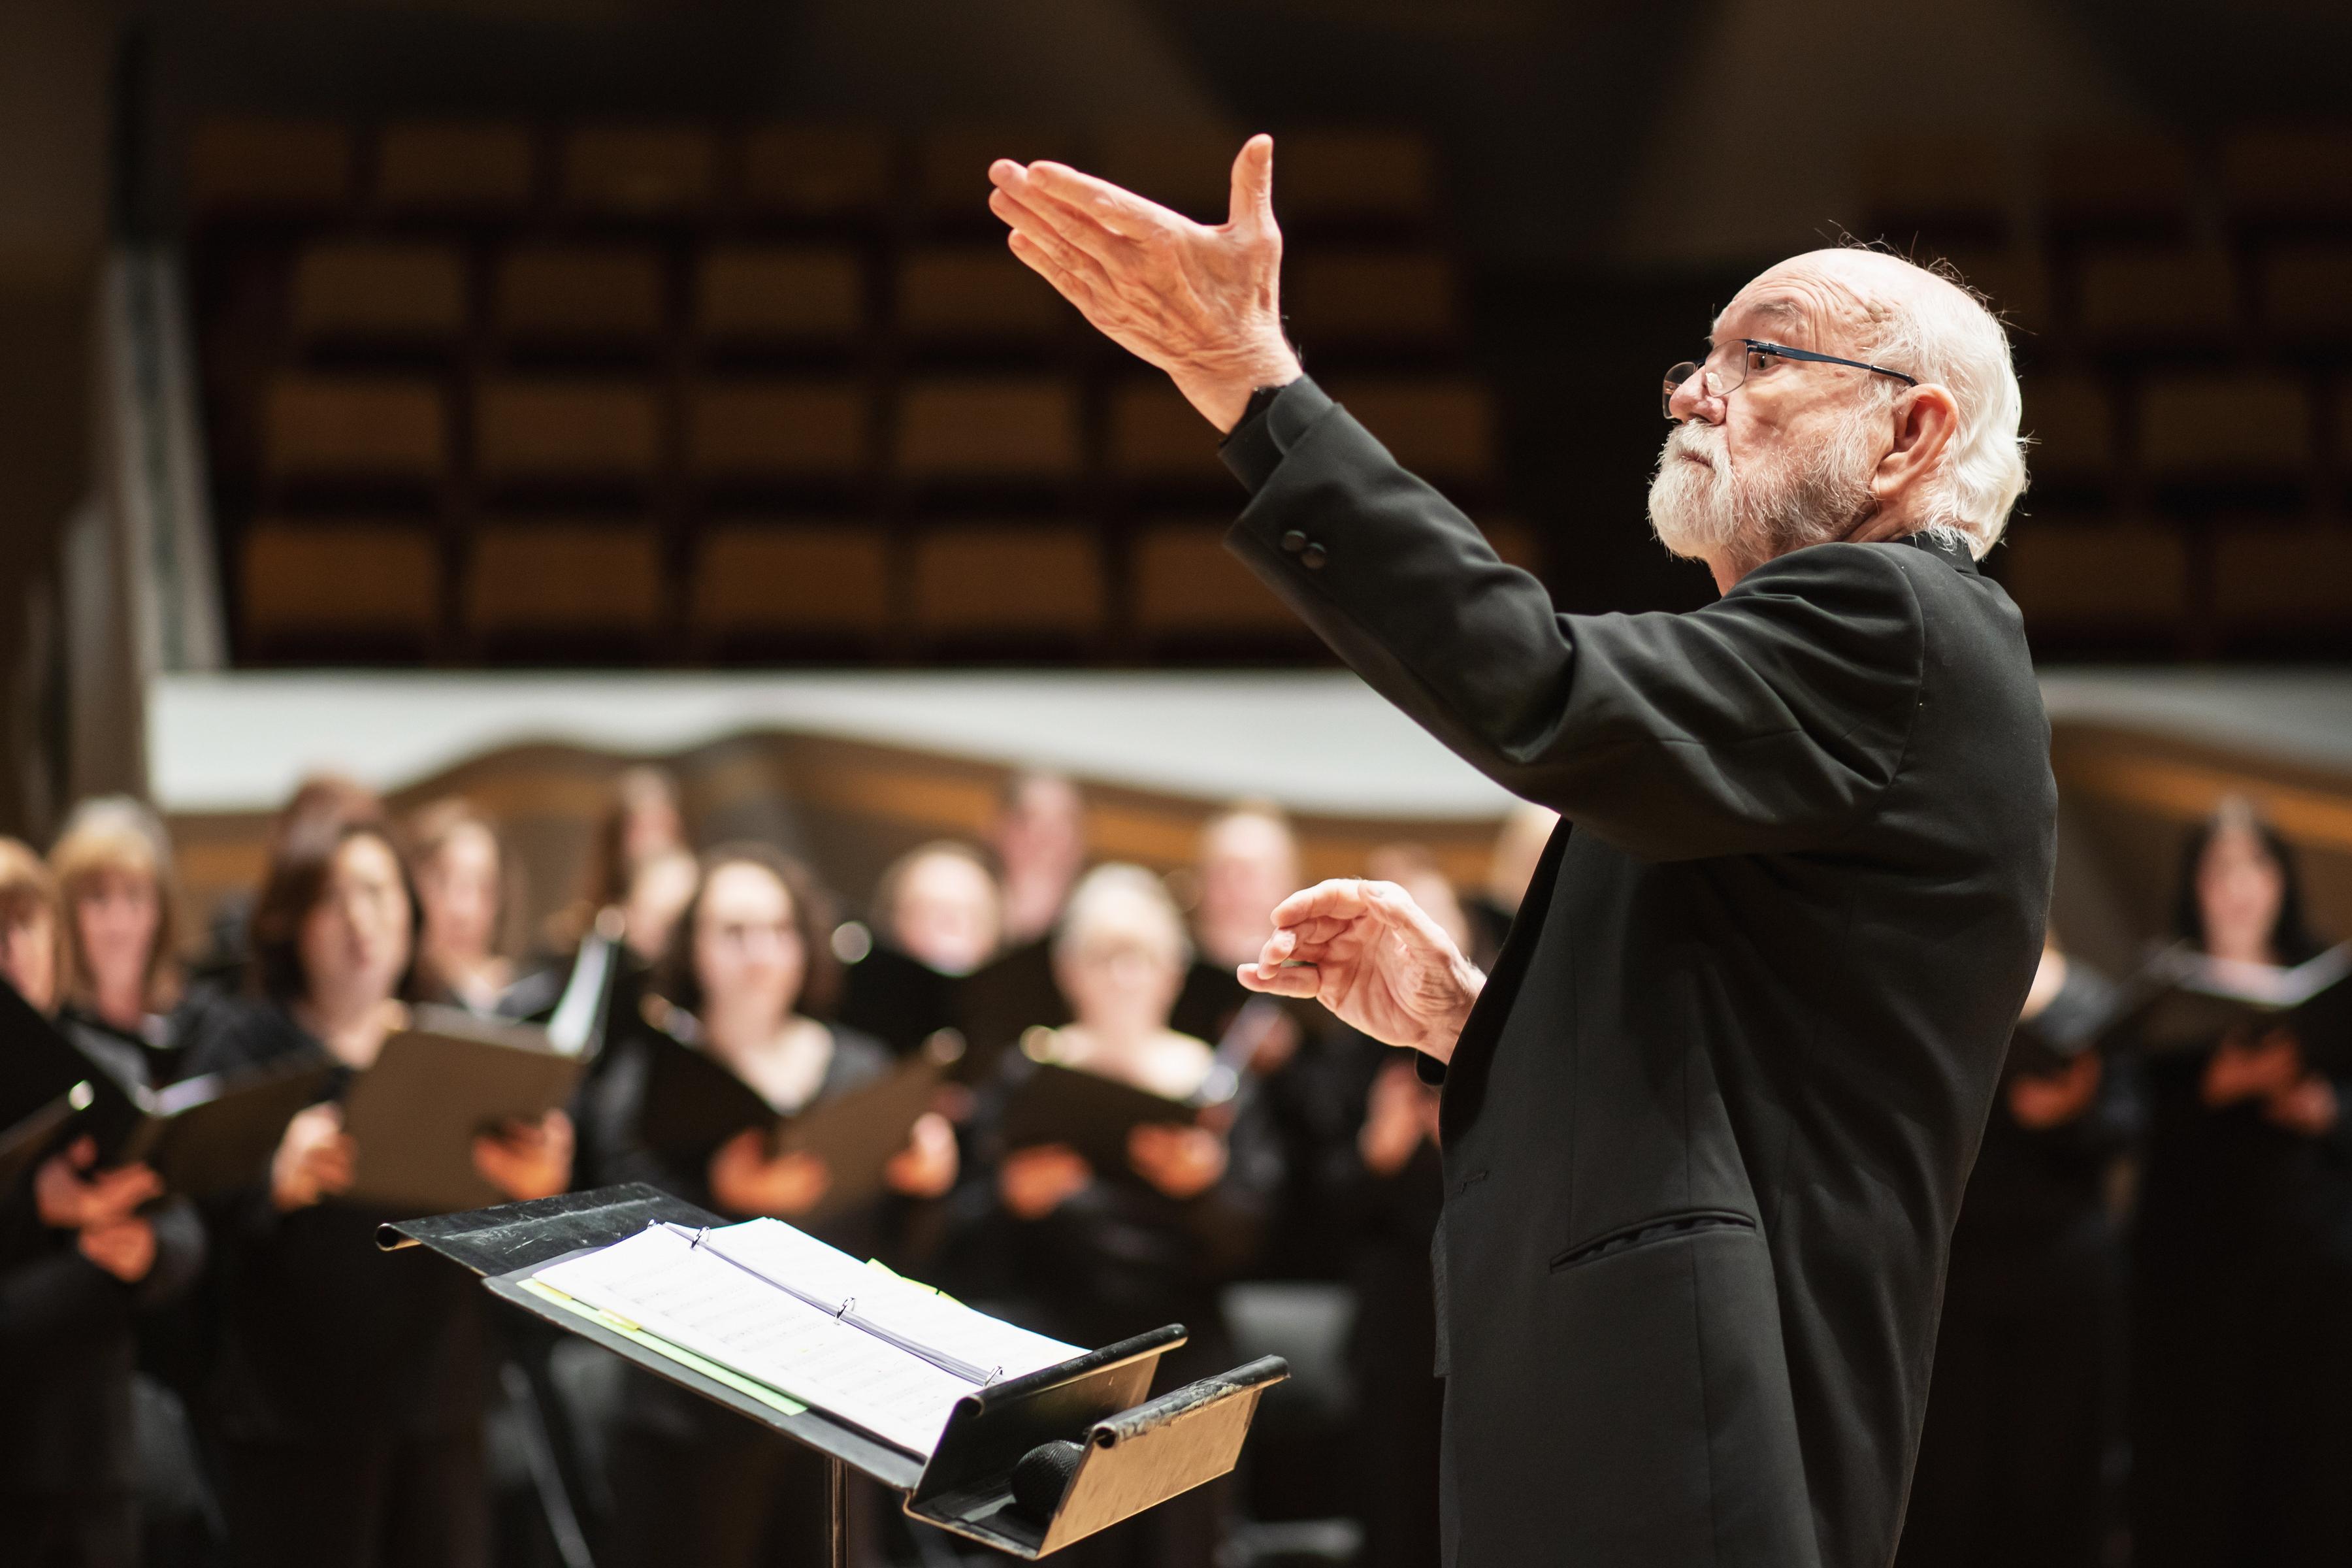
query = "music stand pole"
x=837 y=1485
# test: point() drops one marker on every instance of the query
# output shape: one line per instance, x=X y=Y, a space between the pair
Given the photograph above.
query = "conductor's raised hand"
x=1202 y=303
x=1375 y=959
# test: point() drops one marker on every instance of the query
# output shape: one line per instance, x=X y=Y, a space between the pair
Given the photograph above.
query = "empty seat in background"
x=988 y=429
x=2198 y=428
x=2115 y=180
x=644 y=171
x=1936 y=186
x=2086 y=578
x=564 y=431
x=2071 y=422
x=1442 y=429
x=2151 y=298
x=1156 y=437
x=1338 y=177
x=1186 y=587
x=817 y=173
x=779 y=296
x=775 y=431
x=1018 y=583
x=1340 y=301
x=533 y=581
x=459 y=168
x=2307 y=295
x=2289 y=176
x=579 y=296
x=791 y=582
x=362 y=582
x=978 y=294
x=2014 y=279
x=366 y=291
x=2271 y=579
x=269 y=166
x=354 y=429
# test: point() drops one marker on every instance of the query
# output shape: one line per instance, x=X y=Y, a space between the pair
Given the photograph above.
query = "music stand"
x=1137 y=1452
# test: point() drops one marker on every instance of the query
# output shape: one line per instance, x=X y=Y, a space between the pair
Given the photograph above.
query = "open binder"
x=1076 y=1439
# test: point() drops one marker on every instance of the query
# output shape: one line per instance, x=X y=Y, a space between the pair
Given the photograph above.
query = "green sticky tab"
x=885 y=1269
x=782 y=1403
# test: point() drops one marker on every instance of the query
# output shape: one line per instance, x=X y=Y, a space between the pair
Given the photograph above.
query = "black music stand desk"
x=1138 y=1453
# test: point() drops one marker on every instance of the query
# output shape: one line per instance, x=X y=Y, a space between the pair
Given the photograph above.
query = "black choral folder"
x=205 y=1135
x=694 y=1103
x=2185 y=1000
x=1124 y=1452
x=1090 y=1113
x=436 y=1085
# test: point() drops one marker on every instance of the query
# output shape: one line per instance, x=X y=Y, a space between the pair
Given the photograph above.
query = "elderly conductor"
x=1706 y=1125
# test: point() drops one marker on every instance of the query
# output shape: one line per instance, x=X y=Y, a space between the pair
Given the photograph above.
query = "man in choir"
x=2021 y=1408
x=940 y=904
x=1247 y=860
x=1705 y=1132
x=1040 y=839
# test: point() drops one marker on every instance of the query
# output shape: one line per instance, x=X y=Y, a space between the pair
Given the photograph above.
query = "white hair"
x=1944 y=332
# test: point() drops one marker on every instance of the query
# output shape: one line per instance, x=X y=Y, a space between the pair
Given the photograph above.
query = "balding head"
x=1800 y=452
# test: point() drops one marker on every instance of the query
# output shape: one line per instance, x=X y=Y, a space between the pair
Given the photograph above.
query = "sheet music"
x=702 y=1302
x=905 y=1307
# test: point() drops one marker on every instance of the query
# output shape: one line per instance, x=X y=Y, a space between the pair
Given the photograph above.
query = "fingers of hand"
x=1034 y=213
x=1342 y=898
x=1305 y=981
x=1121 y=211
x=1070 y=285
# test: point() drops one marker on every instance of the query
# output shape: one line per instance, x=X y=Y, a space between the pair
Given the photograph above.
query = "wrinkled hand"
x=1401 y=1111
x=1181 y=1162
x=1034 y=1182
x=1375 y=959
x=2043 y=1101
x=926 y=1167
x=528 y=1159
x=70 y=1199
x=316 y=1159
x=1202 y=303
x=746 y=1179
x=125 y=1249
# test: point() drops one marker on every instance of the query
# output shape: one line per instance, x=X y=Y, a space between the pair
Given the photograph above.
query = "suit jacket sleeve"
x=1767 y=721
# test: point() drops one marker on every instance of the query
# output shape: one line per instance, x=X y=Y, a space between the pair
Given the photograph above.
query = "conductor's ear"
x=1252 y=199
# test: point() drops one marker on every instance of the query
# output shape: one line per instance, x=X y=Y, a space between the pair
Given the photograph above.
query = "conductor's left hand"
x=1375 y=959
x=1202 y=303
x=528 y=1158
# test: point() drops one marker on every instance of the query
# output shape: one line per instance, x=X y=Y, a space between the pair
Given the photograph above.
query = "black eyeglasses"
x=1733 y=362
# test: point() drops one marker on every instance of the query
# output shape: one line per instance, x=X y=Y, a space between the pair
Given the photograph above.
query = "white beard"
x=1704 y=509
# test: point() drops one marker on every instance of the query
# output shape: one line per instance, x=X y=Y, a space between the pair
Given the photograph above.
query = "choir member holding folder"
x=2241 y=1305
x=83 y=1251
x=348 y=1397
x=113 y=866
x=465 y=890
x=749 y=961
x=1092 y=1249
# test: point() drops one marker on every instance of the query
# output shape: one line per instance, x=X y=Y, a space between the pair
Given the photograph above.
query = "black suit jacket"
x=1707 y=1131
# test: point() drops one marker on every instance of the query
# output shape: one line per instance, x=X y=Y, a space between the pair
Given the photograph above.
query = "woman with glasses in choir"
x=348 y=1396
x=84 y=1252
x=747 y=974
x=2241 y=1298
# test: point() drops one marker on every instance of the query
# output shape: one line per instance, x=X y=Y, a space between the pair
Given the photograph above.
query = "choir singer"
x=1705 y=1125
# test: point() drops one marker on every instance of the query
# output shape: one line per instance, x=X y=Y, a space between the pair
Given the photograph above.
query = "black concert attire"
x=1706 y=1129
x=347 y=1395
x=70 y=1476
x=2022 y=1408
x=1116 y=1259
x=2241 y=1317
x=692 y=1482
